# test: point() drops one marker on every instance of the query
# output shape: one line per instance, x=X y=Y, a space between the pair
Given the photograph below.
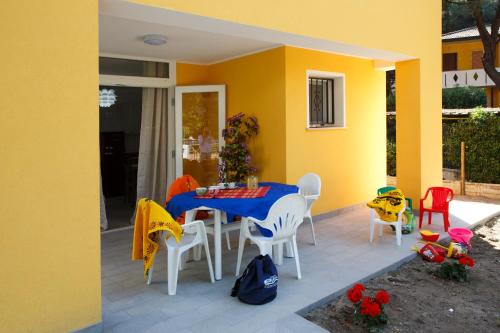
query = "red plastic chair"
x=441 y=197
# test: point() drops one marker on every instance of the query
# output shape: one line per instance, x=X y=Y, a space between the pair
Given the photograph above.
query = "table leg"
x=217 y=243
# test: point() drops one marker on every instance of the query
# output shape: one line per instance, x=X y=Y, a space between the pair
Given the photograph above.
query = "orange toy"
x=184 y=184
x=429 y=236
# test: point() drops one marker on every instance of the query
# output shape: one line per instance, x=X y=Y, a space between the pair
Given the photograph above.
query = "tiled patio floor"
x=342 y=257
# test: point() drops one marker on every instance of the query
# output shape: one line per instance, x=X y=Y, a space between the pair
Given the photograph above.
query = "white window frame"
x=339 y=104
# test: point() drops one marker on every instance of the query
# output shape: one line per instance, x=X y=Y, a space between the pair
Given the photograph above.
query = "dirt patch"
x=421 y=302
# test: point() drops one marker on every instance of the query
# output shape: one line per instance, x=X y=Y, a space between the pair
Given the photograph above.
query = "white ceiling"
x=124 y=36
x=203 y=40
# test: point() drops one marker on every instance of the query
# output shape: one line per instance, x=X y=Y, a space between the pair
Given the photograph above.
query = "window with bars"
x=321 y=102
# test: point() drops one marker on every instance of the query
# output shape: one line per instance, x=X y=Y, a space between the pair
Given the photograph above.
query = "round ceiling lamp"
x=107 y=97
x=154 y=39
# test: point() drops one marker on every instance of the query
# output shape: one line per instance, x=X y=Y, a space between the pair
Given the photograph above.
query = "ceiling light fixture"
x=154 y=39
x=107 y=97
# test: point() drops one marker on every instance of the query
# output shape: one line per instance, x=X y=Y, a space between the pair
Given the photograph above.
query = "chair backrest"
x=285 y=216
x=309 y=184
x=385 y=189
x=185 y=183
x=441 y=196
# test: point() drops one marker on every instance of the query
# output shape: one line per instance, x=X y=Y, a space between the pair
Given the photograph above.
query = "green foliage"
x=391 y=102
x=453 y=271
x=459 y=16
x=391 y=158
x=481 y=134
x=236 y=161
x=463 y=98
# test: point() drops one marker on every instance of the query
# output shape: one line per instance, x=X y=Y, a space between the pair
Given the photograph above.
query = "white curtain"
x=152 y=167
x=104 y=219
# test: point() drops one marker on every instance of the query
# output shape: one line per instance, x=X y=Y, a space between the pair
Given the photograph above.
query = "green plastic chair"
x=409 y=206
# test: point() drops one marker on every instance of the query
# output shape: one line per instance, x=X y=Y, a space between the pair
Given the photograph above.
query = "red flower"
x=354 y=295
x=439 y=259
x=466 y=261
x=359 y=287
x=382 y=297
x=370 y=307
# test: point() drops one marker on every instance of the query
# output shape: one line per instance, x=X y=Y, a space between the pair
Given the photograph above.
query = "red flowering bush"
x=466 y=261
x=368 y=311
x=456 y=271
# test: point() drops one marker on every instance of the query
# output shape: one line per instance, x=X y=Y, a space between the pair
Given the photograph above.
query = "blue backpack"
x=259 y=282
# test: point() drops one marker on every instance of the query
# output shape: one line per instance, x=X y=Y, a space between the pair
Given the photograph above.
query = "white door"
x=200 y=115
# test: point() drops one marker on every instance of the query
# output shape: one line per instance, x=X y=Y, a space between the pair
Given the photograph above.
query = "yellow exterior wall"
x=49 y=179
x=255 y=85
x=351 y=161
x=329 y=21
x=464 y=50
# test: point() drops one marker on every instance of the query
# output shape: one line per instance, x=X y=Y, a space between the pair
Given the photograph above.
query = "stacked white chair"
x=194 y=234
x=310 y=187
x=283 y=219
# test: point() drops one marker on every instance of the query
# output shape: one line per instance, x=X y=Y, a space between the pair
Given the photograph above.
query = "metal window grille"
x=321 y=104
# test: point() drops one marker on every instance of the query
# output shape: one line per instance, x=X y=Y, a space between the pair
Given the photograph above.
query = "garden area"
x=480 y=131
x=424 y=296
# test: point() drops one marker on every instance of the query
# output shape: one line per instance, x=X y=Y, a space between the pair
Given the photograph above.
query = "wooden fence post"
x=462 y=168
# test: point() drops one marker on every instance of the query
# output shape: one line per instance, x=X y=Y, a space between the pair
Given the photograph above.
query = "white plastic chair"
x=310 y=187
x=283 y=219
x=194 y=234
x=374 y=219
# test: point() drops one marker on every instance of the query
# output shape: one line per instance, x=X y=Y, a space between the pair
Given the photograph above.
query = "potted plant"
x=235 y=159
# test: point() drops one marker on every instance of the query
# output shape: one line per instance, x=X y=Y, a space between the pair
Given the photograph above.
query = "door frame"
x=150 y=82
x=179 y=90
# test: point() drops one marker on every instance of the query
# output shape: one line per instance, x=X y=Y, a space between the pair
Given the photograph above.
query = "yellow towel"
x=388 y=205
x=150 y=219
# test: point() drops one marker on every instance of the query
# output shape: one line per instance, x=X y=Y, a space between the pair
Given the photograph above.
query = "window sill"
x=325 y=128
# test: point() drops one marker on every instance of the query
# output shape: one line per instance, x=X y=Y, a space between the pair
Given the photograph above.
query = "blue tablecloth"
x=256 y=208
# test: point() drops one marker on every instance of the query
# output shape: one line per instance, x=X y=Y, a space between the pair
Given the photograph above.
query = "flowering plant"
x=457 y=271
x=235 y=159
x=368 y=311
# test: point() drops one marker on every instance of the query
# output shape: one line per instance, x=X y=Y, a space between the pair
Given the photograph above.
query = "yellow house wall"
x=255 y=85
x=49 y=179
x=351 y=160
x=464 y=50
x=333 y=20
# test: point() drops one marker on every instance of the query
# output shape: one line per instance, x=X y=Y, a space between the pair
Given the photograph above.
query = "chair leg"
x=227 y=241
x=197 y=253
x=209 y=259
x=420 y=218
x=183 y=260
x=241 y=246
x=372 y=229
x=150 y=275
x=297 y=263
x=312 y=229
x=446 y=221
x=429 y=220
x=289 y=249
x=278 y=254
x=173 y=270
x=398 y=233
x=380 y=230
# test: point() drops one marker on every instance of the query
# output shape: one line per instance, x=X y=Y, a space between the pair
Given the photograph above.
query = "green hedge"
x=463 y=98
x=481 y=134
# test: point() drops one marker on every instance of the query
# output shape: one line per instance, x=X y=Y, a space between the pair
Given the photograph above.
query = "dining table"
x=257 y=208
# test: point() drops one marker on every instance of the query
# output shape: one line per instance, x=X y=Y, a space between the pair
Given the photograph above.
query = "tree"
x=489 y=39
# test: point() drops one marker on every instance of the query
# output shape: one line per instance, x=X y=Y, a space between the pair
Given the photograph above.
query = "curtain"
x=104 y=219
x=152 y=166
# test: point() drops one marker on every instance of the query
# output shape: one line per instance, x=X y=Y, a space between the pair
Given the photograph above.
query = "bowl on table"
x=201 y=191
x=223 y=186
x=232 y=185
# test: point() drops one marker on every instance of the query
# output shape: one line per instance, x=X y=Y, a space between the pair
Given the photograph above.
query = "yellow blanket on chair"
x=150 y=219
x=388 y=205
